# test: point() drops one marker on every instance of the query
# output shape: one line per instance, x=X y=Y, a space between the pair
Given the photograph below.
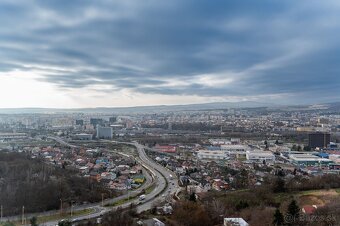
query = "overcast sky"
x=79 y=53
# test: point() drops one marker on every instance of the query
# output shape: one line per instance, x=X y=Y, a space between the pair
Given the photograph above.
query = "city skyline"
x=62 y=54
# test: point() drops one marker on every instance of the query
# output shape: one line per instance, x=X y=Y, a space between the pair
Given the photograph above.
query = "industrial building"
x=308 y=160
x=260 y=156
x=12 y=136
x=235 y=151
x=165 y=148
x=84 y=136
x=212 y=155
x=235 y=148
x=219 y=141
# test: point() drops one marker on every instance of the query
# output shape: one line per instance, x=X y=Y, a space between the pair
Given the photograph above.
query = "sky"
x=106 y=53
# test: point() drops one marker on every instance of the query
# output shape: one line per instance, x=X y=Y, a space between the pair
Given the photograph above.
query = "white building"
x=308 y=160
x=235 y=148
x=235 y=222
x=12 y=136
x=237 y=151
x=219 y=141
x=104 y=132
x=235 y=140
x=84 y=136
x=260 y=156
x=335 y=158
x=212 y=155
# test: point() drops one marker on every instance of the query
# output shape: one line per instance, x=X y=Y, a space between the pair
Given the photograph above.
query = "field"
x=317 y=197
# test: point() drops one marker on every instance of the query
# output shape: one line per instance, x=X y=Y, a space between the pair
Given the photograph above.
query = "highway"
x=166 y=186
x=164 y=189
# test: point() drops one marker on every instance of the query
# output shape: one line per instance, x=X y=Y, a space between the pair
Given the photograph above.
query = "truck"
x=142 y=197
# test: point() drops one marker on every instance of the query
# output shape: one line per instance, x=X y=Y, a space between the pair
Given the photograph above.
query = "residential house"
x=220 y=185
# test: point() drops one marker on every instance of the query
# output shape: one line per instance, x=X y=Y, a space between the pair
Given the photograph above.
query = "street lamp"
x=23 y=215
x=61 y=206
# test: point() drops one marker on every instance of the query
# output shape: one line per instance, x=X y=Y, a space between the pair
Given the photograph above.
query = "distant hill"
x=141 y=109
x=170 y=108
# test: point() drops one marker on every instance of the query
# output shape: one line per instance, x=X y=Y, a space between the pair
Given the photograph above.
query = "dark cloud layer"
x=255 y=48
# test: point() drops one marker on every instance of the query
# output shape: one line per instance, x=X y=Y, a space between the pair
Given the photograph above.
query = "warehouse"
x=260 y=156
x=308 y=160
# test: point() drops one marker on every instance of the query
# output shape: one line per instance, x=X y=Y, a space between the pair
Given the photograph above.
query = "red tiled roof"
x=308 y=209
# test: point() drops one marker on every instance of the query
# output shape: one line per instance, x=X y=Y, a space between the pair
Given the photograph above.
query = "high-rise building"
x=79 y=122
x=319 y=140
x=96 y=121
x=104 y=132
x=112 y=119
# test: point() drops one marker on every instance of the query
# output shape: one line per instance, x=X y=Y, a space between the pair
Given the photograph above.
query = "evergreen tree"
x=293 y=212
x=293 y=209
x=192 y=197
x=278 y=218
x=241 y=205
x=33 y=221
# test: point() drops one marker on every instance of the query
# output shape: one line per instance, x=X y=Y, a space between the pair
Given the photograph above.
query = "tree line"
x=41 y=187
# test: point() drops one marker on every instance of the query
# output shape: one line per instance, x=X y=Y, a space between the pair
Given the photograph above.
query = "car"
x=142 y=197
x=75 y=220
x=102 y=212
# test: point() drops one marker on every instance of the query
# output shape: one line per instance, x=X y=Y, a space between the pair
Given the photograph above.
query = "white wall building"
x=219 y=141
x=260 y=156
x=235 y=222
x=212 y=155
x=308 y=160
x=237 y=151
x=84 y=136
x=104 y=132
x=235 y=148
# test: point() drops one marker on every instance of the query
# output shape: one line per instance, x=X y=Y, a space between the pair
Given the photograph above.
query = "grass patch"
x=281 y=197
x=149 y=189
x=57 y=217
x=122 y=201
x=309 y=192
x=64 y=215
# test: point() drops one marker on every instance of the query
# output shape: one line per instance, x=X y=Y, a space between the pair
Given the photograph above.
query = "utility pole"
x=102 y=199
x=23 y=215
x=71 y=209
x=1 y=212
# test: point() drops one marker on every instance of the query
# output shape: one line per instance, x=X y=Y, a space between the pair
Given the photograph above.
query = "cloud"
x=224 y=49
